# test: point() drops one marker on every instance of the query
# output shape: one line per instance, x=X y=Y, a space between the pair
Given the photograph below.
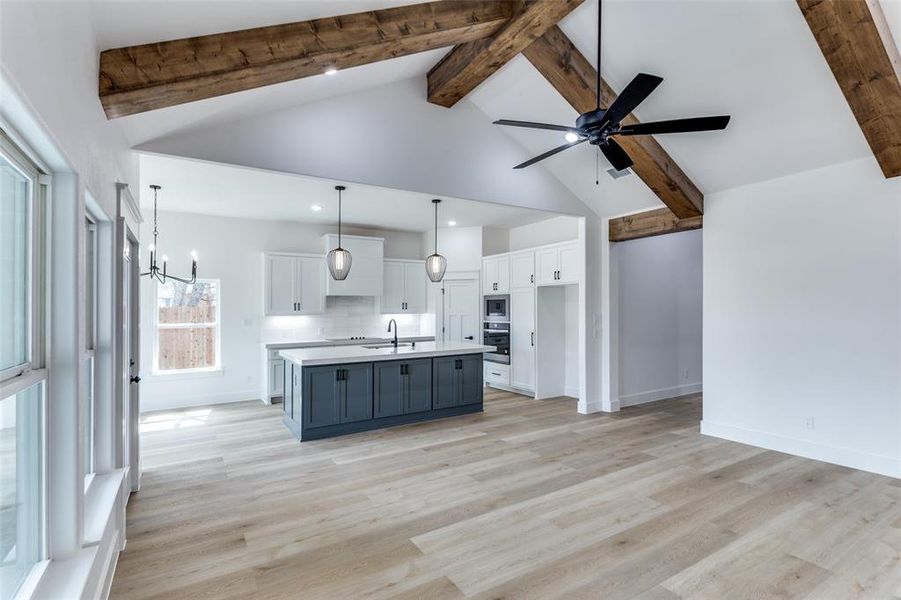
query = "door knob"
x=468 y=337
x=135 y=379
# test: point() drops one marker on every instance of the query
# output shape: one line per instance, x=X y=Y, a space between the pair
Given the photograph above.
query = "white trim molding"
x=660 y=394
x=846 y=457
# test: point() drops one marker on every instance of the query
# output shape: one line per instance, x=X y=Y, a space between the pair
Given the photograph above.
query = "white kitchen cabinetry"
x=496 y=275
x=557 y=265
x=496 y=373
x=522 y=339
x=522 y=270
x=404 y=287
x=276 y=377
x=293 y=284
x=366 y=277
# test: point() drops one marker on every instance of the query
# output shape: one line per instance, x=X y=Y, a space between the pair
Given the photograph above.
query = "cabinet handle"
x=532 y=278
x=533 y=338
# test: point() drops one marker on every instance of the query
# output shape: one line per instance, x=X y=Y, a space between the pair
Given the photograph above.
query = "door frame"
x=440 y=308
x=128 y=222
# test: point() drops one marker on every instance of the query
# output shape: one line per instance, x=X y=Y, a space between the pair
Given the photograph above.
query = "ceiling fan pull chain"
x=597 y=165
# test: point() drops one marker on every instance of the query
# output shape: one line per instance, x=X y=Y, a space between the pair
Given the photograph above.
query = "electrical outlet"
x=809 y=423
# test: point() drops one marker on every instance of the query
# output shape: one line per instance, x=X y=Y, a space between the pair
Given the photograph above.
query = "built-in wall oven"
x=497 y=308
x=497 y=334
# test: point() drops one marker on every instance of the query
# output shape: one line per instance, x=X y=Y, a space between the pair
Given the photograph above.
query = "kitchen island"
x=346 y=389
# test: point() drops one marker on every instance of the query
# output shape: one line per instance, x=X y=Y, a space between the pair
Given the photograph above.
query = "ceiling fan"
x=599 y=126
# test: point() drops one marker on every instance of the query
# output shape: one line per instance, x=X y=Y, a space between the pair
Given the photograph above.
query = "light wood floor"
x=528 y=500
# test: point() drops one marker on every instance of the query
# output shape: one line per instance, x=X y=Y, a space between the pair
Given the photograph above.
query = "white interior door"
x=522 y=339
x=131 y=355
x=461 y=311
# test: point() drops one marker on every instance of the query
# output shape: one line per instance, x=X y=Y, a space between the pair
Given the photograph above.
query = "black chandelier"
x=155 y=272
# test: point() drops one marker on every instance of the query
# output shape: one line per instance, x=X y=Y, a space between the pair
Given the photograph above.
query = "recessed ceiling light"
x=571 y=137
x=331 y=71
x=451 y=223
x=315 y=208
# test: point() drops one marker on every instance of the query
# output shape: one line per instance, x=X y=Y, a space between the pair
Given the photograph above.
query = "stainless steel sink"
x=388 y=345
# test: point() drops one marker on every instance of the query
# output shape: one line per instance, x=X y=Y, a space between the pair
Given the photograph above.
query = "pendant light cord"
x=339 y=218
x=436 y=228
x=598 y=89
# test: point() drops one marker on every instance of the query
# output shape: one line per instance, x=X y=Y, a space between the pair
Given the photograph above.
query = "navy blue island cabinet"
x=331 y=400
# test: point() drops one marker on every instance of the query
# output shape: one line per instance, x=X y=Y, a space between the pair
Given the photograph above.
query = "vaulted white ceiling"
x=755 y=60
x=216 y=189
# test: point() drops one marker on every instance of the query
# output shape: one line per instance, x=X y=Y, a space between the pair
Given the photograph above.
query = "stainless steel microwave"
x=497 y=308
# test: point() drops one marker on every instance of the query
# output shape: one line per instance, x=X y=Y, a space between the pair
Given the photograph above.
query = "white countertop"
x=308 y=357
x=343 y=342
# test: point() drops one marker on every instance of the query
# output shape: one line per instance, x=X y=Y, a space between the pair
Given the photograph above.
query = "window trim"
x=33 y=372
x=215 y=369
x=36 y=192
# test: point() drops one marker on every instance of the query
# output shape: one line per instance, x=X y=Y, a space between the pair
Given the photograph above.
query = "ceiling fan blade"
x=532 y=125
x=614 y=153
x=675 y=126
x=634 y=94
x=532 y=161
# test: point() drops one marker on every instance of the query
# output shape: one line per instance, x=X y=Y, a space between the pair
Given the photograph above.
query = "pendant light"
x=161 y=274
x=339 y=259
x=436 y=265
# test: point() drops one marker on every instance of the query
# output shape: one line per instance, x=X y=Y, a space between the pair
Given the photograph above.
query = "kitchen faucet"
x=395 y=332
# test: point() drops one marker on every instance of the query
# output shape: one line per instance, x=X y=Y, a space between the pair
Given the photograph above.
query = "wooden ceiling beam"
x=567 y=69
x=151 y=76
x=650 y=223
x=469 y=64
x=858 y=46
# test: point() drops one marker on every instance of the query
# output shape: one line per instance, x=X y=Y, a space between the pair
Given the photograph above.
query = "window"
x=22 y=378
x=187 y=333
x=90 y=320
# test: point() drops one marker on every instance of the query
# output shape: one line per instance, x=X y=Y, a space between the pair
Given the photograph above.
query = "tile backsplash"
x=344 y=316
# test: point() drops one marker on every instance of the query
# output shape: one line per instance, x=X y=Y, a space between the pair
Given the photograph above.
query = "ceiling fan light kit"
x=599 y=126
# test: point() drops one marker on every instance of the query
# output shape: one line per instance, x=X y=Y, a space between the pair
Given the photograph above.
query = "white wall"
x=549 y=231
x=48 y=100
x=452 y=153
x=802 y=315
x=230 y=250
x=660 y=298
x=461 y=246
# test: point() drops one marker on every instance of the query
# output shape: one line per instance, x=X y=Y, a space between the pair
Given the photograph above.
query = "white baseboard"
x=846 y=457
x=660 y=394
x=167 y=402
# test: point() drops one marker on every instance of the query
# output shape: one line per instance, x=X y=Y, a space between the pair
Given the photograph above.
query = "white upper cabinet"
x=557 y=265
x=366 y=277
x=522 y=270
x=570 y=265
x=404 y=287
x=294 y=284
x=496 y=275
x=415 y=286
